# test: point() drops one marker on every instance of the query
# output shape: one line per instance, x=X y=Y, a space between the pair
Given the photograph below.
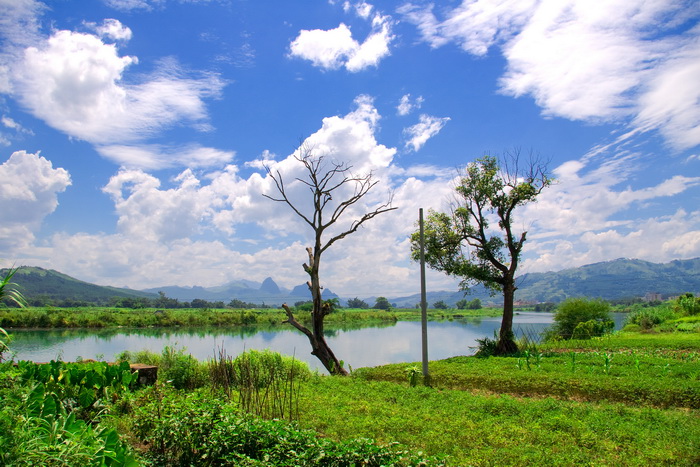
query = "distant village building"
x=652 y=297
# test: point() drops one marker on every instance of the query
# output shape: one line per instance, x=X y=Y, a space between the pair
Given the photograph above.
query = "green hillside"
x=615 y=279
x=38 y=284
x=610 y=280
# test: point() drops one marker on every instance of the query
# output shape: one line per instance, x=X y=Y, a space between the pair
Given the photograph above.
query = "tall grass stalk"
x=267 y=384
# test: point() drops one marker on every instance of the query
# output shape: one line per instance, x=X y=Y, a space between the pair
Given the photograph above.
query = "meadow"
x=627 y=398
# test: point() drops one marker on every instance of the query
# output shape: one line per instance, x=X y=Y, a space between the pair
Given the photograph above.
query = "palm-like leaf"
x=8 y=289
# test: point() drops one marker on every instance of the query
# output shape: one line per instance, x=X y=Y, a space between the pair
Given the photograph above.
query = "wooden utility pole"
x=423 y=303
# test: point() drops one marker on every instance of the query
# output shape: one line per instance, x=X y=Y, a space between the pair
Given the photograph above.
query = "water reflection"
x=368 y=346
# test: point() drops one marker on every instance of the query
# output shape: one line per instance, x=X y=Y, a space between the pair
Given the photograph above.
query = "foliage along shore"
x=105 y=317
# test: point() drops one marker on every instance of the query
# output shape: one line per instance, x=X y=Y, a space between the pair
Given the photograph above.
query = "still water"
x=370 y=346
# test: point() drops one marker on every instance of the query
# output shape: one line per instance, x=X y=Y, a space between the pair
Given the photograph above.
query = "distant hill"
x=620 y=278
x=35 y=283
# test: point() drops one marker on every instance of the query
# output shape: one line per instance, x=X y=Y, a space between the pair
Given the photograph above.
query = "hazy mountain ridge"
x=620 y=278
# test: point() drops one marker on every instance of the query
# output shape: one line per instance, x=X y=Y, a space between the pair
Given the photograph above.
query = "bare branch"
x=291 y=320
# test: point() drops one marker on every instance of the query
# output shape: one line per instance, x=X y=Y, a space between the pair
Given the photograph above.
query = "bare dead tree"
x=325 y=180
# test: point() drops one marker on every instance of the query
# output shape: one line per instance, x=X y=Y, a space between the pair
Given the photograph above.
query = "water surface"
x=370 y=346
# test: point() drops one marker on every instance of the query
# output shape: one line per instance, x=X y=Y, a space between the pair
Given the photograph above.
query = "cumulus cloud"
x=210 y=224
x=29 y=187
x=112 y=29
x=590 y=216
x=578 y=60
x=335 y=48
x=74 y=82
x=428 y=126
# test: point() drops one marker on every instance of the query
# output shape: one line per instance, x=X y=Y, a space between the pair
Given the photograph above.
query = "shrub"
x=688 y=304
x=574 y=311
x=647 y=318
x=175 y=366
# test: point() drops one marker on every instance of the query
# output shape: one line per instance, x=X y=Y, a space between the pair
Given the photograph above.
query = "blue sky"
x=134 y=133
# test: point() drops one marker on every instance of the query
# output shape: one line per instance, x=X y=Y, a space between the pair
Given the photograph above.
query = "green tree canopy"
x=357 y=303
x=382 y=303
x=464 y=243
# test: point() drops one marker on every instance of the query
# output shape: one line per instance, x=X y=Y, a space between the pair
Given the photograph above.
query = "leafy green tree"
x=474 y=304
x=357 y=303
x=582 y=318
x=334 y=192
x=440 y=305
x=382 y=304
x=464 y=244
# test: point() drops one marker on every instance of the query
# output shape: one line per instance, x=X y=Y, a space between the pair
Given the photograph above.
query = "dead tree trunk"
x=324 y=181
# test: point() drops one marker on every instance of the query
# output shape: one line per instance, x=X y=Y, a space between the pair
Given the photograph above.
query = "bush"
x=176 y=367
x=688 y=304
x=574 y=311
x=647 y=318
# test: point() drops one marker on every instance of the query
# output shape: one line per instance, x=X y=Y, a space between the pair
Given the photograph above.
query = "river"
x=369 y=346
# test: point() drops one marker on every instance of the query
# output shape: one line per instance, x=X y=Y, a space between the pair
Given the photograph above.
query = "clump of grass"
x=266 y=382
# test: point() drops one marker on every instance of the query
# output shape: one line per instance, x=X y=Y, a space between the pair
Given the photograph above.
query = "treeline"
x=136 y=303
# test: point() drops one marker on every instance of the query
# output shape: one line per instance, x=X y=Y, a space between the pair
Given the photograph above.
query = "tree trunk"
x=506 y=338
x=324 y=353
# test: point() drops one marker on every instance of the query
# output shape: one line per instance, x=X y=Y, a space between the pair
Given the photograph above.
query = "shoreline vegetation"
x=108 y=317
x=630 y=397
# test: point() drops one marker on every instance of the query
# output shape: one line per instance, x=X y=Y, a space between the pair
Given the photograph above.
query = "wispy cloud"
x=611 y=61
x=406 y=105
x=419 y=134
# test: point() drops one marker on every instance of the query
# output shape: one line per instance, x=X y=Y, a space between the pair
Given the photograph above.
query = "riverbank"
x=625 y=399
x=110 y=317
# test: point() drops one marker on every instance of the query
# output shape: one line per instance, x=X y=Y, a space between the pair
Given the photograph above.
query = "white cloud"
x=29 y=186
x=151 y=156
x=657 y=239
x=16 y=129
x=335 y=48
x=405 y=106
x=580 y=60
x=163 y=228
x=147 y=212
x=73 y=82
x=590 y=215
x=113 y=29
x=327 y=49
x=421 y=132
x=128 y=5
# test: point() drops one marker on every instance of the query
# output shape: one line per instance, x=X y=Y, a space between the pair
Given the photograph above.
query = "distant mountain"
x=267 y=292
x=269 y=286
x=36 y=283
x=620 y=278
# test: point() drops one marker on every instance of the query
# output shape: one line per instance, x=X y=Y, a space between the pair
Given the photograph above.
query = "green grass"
x=491 y=429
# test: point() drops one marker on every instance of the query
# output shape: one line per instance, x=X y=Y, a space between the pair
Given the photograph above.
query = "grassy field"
x=629 y=399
